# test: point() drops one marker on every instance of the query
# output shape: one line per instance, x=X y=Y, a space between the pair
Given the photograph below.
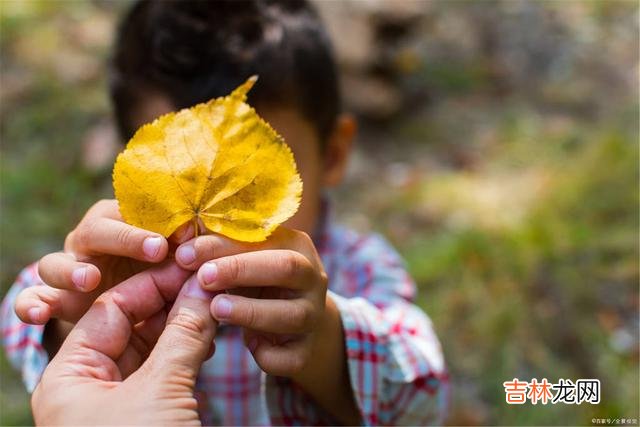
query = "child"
x=288 y=350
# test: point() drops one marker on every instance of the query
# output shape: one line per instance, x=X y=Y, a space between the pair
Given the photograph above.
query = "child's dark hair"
x=192 y=51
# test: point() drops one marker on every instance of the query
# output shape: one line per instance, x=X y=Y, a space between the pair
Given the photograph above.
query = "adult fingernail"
x=209 y=272
x=186 y=254
x=79 y=277
x=194 y=290
x=151 y=246
x=252 y=344
x=223 y=307
x=34 y=314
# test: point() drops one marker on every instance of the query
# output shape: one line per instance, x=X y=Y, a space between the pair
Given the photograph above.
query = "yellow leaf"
x=217 y=162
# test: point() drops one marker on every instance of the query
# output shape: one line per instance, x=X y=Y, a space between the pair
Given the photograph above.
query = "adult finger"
x=281 y=267
x=62 y=271
x=100 y=236
x=279 y=316
x=107 y=326
x=186 y=340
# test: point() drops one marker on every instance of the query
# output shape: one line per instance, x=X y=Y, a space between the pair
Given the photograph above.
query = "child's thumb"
x=186 y=340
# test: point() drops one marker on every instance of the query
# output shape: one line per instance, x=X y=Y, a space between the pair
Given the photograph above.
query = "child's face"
x=318 y=166
x=303 y=140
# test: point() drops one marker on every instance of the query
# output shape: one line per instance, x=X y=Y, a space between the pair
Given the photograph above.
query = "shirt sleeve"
x=23 y=342
x=395 y=362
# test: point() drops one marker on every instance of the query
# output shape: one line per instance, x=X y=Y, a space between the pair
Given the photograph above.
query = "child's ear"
x=337 y=150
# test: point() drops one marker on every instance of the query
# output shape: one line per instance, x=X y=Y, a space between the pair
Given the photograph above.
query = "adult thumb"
x=186 y=340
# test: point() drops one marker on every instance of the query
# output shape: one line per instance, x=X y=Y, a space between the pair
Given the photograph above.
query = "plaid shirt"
x=395 y=363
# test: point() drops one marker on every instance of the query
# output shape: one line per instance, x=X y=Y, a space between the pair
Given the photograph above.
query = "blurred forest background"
x=498 y=151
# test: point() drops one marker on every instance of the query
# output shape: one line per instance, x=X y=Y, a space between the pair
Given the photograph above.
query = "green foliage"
x=527 y=301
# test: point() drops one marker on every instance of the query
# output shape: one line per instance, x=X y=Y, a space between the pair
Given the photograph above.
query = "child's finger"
x=196 y=251
x=286 y=359
x=62 y=271
x=193 y=253
x=280 y=267
x=142 y=340
x=102 y=236
x=30 y=308
x=107 y=208
x=38 y=304
x=278 y=316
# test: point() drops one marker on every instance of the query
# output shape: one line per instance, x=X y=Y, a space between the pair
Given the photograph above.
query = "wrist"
x=326 y=377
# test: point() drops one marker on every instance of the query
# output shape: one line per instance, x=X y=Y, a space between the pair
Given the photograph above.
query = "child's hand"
x=279 y=290
x=101 y=252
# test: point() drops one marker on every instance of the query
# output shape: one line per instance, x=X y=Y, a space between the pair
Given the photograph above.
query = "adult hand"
x=99 y=253
x=121 y=365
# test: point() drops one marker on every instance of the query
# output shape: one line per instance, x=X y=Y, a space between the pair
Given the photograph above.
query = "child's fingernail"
x=252 y=344
x=151 y=246
x=79 y=277
x=186 y=254
x=34 y=314
x=209 y=272
x=194 y=290
x=223 y=307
